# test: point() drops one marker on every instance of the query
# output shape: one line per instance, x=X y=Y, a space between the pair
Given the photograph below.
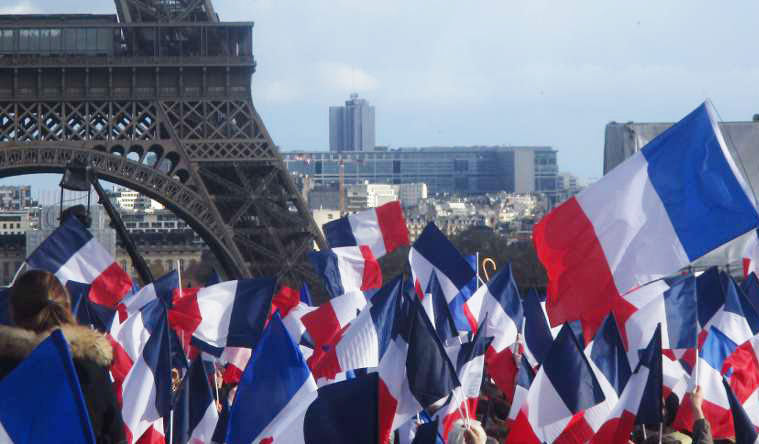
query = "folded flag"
x=675 y=200
x=536 y=332
x=712 y=355
x=640 y=401
x=525 y=375
x=332 y=317
x=607 y=357
x=382 y=229
x=236 y=359
x=87 y=312
x=347 y=269
x=162 y=288
x=432 y=251
x=564 y=385
x=745 y=430
x=469 y=361
x=735 y=317
x=496 y=307
x=146 y=389
x=434 y=303
x=42 y=400
x=427 y=377
x=72 y=254
x=278 y=374
x=675 y=310
x=363 y=343
x=231 y=313
x=195 y=413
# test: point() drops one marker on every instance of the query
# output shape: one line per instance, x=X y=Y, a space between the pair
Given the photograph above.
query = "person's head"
x=465 y=432
x=671 y=404
x=39 y=302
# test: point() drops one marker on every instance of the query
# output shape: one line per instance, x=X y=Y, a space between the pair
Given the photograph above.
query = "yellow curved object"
x=485 y=263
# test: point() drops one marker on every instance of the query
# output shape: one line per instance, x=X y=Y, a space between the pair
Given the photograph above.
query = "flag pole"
x=661 y=430
x=477 y=267
x=18 y=272
x=181 y=331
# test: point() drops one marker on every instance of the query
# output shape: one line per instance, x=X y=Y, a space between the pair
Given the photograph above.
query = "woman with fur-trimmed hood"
x=39 y=304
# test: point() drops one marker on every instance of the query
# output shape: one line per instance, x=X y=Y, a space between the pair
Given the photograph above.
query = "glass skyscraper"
x=351 y=127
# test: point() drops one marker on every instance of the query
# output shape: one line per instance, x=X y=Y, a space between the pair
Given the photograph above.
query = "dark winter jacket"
x=92 y=355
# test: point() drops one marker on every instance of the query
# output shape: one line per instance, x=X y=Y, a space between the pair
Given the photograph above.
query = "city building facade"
x=452 y=170
x=15 y=197
x=351 y=127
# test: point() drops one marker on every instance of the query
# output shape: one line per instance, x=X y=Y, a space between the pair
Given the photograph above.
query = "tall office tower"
x=351 y=127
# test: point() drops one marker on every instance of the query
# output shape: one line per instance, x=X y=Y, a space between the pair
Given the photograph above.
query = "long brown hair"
x=39 y=302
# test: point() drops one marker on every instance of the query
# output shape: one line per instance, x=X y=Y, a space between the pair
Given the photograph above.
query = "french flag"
x=743 y=367
x=678 y=198
x=42 y=400
x=497 y=309
x=434 y=303
x=331 y=318
x=414 y=372
x=536 y=333
x=146 y=390
x=525 y=375
x=607 y=358
x=564 y=385
x=347 y=269
x=195 y=413
x=364 y=342
x=236 y=359
x=87 y=312
x=736 y=318
x=161 y=288
x=640 y=401
x=745 y=428
x=712 y=355
x=275 y=389
x=382 y=229
x=433 y=252
x=469 y=361
x=72 y=254
x=675 y=310
x=231 y=313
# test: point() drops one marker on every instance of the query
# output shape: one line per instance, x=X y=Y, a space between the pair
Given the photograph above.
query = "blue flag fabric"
x=609 y=355
x=41 y=399
x=87 y=312
x=650 y=410
x=444 y=323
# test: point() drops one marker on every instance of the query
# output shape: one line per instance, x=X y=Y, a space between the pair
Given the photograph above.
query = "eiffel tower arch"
x=158 y=99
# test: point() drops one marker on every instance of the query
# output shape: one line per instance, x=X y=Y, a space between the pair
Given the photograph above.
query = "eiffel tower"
x=158 y=98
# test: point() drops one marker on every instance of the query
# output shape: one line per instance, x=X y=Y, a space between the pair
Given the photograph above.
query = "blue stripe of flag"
x=700 y=192
x=58 y=248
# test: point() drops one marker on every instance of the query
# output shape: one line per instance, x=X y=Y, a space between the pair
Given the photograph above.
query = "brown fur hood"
x=85 y=343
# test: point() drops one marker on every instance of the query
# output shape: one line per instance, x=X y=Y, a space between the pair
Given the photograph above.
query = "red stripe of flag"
x=392 y=226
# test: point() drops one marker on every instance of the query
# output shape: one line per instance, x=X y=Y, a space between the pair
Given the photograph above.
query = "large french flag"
x=497 y=309
x=195 y=414
x=347 y=269
x=72 y=254
x=433 y=252
x=640 y=398
x=382 y=229
x=275 y=389
x=42 y=400
x=364 y=342
x=231 y=313
x=564 y=386
x=675 y=200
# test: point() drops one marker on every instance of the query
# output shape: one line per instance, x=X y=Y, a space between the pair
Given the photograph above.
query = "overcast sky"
x=531 y=72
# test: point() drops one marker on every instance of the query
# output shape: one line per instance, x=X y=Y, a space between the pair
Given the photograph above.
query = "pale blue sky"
x=533 y=72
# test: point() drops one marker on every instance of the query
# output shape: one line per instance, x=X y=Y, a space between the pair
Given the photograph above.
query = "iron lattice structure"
x=158 y=99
